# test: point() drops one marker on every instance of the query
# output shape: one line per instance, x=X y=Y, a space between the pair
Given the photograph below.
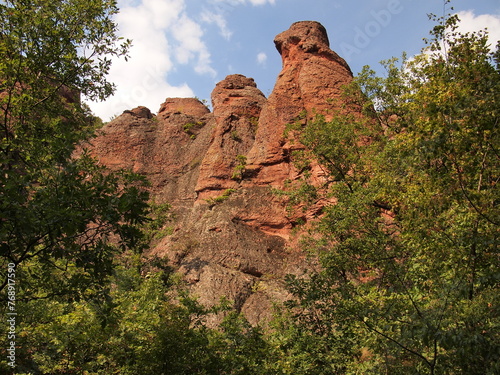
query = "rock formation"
x=237 y=104
x=231 y=235
x=311 y=78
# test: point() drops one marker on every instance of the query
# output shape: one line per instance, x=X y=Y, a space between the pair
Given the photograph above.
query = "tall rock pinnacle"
x=237 y=104
x=311 y=77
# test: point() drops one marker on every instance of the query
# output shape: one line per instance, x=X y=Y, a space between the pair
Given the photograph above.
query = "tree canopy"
x=410 y=279
x=58 y=210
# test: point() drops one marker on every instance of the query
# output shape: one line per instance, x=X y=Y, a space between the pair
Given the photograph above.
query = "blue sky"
x=182 y=48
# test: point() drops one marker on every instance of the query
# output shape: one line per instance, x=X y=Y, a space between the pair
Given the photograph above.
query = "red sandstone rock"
x=237 y=104
x=141 y=112
x=187 y=106
x=167 y=148
x=232 y=236
x=310 y=80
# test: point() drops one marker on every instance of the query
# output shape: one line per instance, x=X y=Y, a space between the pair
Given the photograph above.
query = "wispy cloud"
x=470 y=22
x=241 y=2
x=218 y=19
x=190 y=45
x=262 y=2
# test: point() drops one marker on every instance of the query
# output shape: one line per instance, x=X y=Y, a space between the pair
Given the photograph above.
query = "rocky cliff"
x=231 y=235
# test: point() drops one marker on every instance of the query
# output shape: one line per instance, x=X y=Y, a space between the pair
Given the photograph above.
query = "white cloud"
x=469 y=22
x=189 y=36
x=242 y=2
x=261 y=2
x=261 y=58
x=162 y=35
x=222 y=8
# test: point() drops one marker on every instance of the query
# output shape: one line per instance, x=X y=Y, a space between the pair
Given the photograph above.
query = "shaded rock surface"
x=311 y=80
x=231 y=235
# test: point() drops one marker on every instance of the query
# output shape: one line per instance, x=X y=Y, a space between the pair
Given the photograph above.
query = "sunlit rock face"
x=311 y=80
x=231 y=235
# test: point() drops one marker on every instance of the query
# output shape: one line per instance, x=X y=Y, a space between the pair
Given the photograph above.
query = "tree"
x=59 y=211
x=147 y=325
x=410 y=249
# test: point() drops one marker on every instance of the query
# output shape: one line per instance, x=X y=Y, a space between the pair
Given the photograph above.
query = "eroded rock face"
x=231 y=235
x=167 y=148
x=310 y=82
x=237 y=103
x=188 y=106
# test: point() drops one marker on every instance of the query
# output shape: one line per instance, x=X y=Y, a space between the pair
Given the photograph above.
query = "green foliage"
x=64 y=219
x=410 y=249
x=241 y=348
x=190 y=127
x=133 y=328
x=136 y=326
x=235 y=136
x=239 y=169
x=254 y=121
x=300 y=348
x=221 y=198
x=155 y=227
x=59 y=209
x=299 y=192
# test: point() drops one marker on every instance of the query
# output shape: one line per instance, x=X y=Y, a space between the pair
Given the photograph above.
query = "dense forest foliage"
x=409 y=282
x=410 y=248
